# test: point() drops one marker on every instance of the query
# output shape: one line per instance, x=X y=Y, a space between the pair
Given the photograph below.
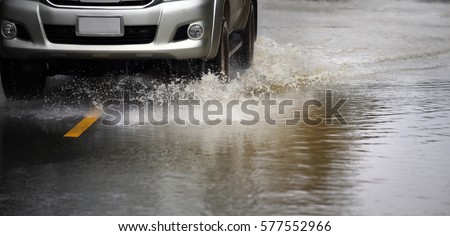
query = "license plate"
x=100 y=26
x=100 y=1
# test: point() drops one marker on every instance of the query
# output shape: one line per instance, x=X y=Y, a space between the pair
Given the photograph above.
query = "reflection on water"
x=390 y=159
x=222 y=170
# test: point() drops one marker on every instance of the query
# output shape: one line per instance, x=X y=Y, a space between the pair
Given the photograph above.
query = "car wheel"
x=246 y=53
x=22 y=78
x=220 y=65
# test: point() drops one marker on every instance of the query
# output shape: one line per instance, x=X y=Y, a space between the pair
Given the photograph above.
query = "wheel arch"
x=221 y=12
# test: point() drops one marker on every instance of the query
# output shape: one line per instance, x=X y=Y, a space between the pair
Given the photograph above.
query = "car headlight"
x=195 y=31
x=9 y=30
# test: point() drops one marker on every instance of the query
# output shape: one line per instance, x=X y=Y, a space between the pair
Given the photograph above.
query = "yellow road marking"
x=84 y=124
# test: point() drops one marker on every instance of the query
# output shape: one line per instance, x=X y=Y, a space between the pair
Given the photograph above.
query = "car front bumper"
x=167 y=16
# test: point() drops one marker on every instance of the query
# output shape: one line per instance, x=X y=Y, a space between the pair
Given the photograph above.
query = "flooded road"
x=389 y=59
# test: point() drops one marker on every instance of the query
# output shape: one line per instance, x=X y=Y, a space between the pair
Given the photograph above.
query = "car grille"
x=181 y=34
x=101 y=3
x=133 y=35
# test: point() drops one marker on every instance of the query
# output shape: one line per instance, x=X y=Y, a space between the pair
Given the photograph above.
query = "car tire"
x=22 y=79
x=247 y=51
x=220 y=65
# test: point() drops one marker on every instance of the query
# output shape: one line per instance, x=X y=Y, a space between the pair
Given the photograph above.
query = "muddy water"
x=389 y=59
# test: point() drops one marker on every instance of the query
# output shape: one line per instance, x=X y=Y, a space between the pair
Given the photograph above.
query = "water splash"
x=277 y=69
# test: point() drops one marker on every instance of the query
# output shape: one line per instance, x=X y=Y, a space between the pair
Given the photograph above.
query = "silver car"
x=36 y=33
